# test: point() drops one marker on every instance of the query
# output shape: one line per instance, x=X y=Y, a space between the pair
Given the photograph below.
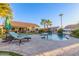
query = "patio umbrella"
x=7 y=26
x=8 y=23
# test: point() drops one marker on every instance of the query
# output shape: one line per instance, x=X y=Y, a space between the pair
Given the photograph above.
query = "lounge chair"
x=16 y=36
x=43 y=35
x=67 y=36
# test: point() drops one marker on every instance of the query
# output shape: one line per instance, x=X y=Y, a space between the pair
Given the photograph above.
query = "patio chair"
x=43 y=35
x=67 y=36
x=16 y=36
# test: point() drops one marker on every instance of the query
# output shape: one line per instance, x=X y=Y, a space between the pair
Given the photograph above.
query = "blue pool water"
x=57 y=37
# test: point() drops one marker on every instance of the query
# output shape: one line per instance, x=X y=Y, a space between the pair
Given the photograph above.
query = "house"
x=54 y=29
x=21 y=26
x=69 y=28
x=1 y=31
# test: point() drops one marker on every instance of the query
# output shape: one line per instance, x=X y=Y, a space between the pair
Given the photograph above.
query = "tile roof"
x=73 y=26
x=23 y=24
x=1 y=26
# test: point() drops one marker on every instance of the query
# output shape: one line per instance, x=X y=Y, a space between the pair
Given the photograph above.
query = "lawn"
x=7 y=53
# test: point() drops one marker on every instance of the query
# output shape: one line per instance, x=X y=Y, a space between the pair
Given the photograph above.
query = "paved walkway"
x=38 y=46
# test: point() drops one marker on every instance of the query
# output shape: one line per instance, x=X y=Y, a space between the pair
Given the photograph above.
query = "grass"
x=8 y=53
x=75 y=33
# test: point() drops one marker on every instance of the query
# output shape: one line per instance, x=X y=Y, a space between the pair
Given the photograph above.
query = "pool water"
x=56 y=37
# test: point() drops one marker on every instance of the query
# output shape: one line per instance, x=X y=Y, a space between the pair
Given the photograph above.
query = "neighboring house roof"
x=1 y=26
x=73 y=26
x=54 y=27
x=23 y=24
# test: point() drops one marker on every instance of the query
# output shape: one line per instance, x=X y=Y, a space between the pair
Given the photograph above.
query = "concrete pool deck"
x=41 y=47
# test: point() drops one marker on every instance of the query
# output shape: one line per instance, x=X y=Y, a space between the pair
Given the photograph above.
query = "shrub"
x=9 y=53
x=60 y=31
x=49 y=31
x=41 y=31
x=75 y=33
x=0 y=33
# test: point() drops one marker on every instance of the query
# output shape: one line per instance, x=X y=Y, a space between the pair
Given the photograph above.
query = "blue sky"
x=34 y=12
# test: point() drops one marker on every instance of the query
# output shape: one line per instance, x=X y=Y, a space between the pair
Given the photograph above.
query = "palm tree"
x=61 y=18
x=48 y=23
x=43 y=22
x=5 y=10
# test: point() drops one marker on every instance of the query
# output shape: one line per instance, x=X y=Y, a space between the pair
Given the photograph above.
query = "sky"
x=34 y=12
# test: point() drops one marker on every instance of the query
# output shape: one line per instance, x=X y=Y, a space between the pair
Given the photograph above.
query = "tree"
x=5 y=10
x=61 y=18
x=48 y=23
x=43 y=22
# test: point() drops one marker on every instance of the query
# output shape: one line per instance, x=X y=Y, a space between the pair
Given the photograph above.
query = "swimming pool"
x=56 y=37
